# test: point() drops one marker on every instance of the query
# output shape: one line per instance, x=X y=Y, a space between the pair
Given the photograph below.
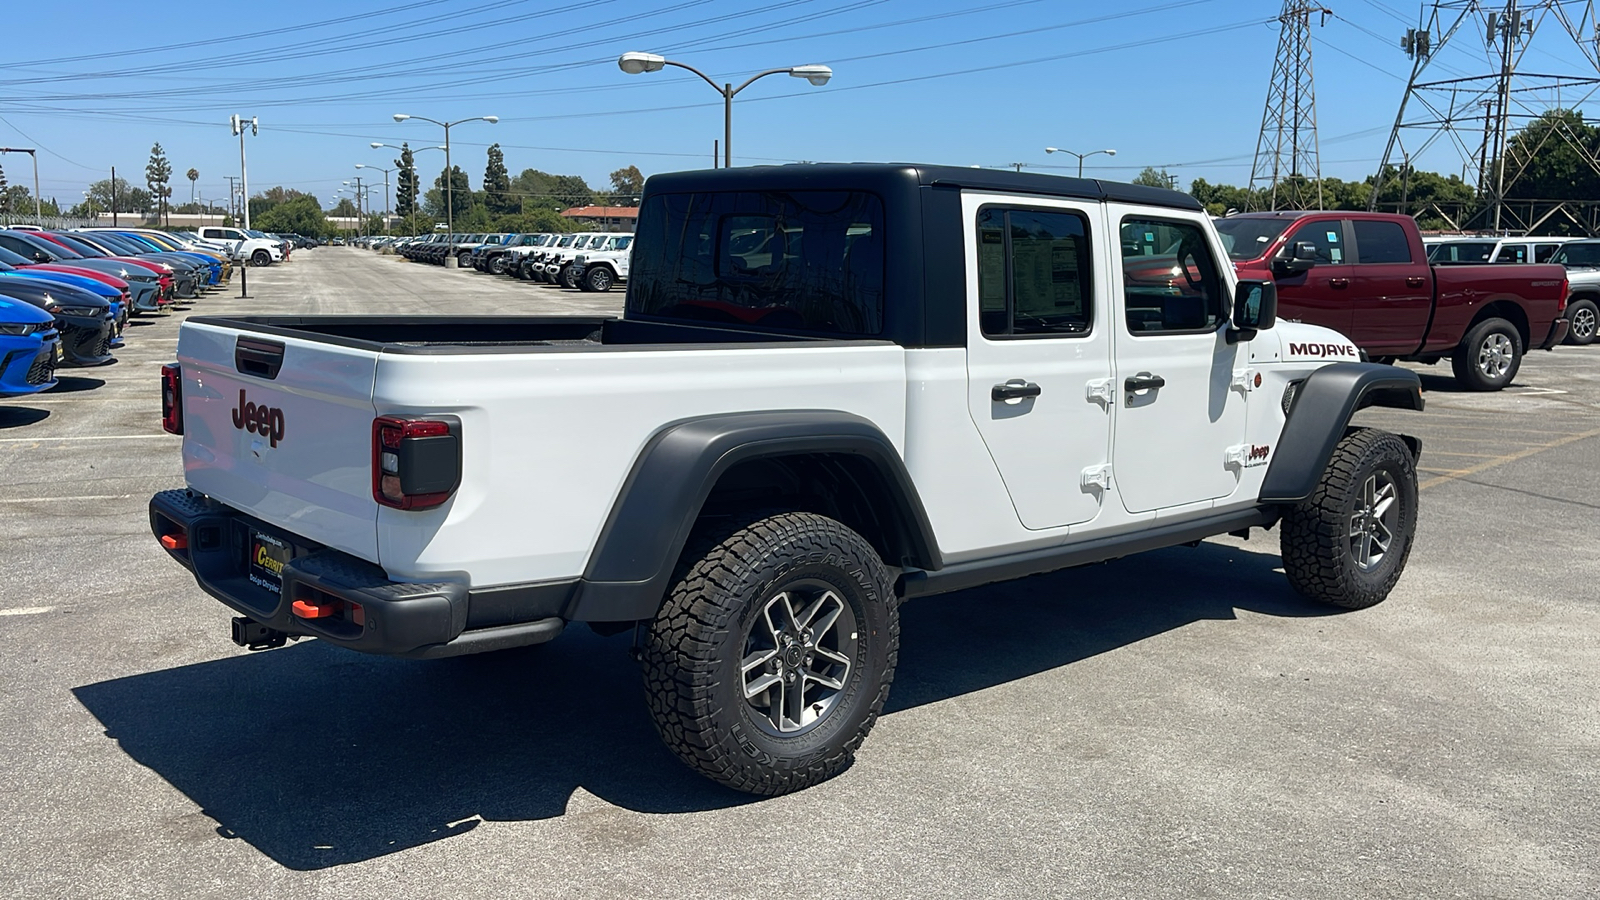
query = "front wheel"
x=260 y=258
x=568 y=276
x=772 y=657
x=497 y=265
x=598 y=278
x=1347 y=543
x=1489 y=356
x=1585 y=318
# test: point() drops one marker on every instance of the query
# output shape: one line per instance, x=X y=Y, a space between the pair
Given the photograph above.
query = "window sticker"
x=1149 y=237
x=1333 y=237
x=1336 y=254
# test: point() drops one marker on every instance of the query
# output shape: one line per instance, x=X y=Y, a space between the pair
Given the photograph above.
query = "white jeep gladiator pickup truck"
x=834 y=388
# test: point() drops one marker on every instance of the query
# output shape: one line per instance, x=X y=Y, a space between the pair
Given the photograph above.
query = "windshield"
x=83 y=248
x=1248 y=238
x=56 y=252
x=13 y=259
x=1578 y=253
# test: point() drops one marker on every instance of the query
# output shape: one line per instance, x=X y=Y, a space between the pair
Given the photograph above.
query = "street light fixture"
x=449 y=182
x=1080 y=156
x=38 y=216
x=239 y=125
x=635 y=63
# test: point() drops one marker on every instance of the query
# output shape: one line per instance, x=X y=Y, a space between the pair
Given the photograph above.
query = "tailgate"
x=281 y=428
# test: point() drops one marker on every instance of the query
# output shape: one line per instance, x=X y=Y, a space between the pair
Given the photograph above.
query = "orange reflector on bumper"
x=175 y=541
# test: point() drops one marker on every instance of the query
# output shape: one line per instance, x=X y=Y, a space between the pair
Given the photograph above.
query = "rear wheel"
x=772 y=657
x=1489 y=356
x=1585 y=318
x=1347 y=543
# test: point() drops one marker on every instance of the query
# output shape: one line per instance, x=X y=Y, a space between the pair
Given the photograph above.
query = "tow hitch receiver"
x=252 y=635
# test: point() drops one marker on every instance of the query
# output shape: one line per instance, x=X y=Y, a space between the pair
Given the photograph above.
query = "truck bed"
x=500 y=334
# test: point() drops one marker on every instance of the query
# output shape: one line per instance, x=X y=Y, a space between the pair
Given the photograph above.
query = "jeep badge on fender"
x=266 y=421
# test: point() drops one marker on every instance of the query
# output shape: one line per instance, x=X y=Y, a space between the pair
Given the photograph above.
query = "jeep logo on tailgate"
x=266 y=421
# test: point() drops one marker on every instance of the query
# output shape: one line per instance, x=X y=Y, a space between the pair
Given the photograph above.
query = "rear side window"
x=1033 y=272
x=792 y=261
x=1381 y=242
x=1463 y=252
x=1543 y=252
x=1512 y=253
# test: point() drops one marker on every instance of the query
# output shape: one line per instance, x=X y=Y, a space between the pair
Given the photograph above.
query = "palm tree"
x=193 y=176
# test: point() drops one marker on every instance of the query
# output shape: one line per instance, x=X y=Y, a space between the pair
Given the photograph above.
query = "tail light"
x=416 y=463
x=1566 y=285
x=172 y=398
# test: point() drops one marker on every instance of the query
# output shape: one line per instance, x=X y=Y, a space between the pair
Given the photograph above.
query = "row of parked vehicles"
x=66 y=296
x=588 y=261
x=1580 y=257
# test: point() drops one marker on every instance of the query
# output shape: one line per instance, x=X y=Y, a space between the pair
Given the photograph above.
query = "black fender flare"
x=629 y=571
x=1321 y=411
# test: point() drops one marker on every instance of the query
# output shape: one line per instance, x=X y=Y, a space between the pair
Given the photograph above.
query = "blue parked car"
x=119 y=310
x=30 y=348
x=83 y=319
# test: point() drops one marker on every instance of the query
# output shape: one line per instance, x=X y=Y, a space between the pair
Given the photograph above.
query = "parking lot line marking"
x=1509 y=457
x=26 y=611
x=63 y=499
x=87 y=437
x=1431 y=452
x=1479 y=428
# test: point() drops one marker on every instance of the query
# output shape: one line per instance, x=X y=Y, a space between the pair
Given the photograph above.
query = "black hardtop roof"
x=886 y=178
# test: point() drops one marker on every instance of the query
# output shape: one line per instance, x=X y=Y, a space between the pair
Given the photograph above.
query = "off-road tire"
x=694 y=648
x=260 y=259
x=568 y=276
x=1316 y=534
x=1584 y=316
x=598 y=279
x=1466 y=362
x=496 y=266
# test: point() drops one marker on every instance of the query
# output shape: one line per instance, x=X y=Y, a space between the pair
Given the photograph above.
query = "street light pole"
x=385 y=190
x=1080 y=156
x=37 y=214
x=449 y=181
x=239 y=123
x=635 y=63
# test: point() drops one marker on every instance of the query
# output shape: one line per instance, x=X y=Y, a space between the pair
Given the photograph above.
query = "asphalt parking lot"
x=1179 y=724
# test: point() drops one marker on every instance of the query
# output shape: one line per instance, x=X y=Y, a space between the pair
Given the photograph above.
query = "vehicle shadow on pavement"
x=72 y=384
x=318 y=756
x=18 y=416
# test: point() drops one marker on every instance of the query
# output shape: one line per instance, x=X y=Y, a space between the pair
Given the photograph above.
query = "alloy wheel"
x=799 y=655
x=1372 y=524
x=1495 y=355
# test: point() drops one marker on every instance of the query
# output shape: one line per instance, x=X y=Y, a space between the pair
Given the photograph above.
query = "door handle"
x=1143 y=381
x=1414 y=281
x=1338 y=282
x=1015 y=389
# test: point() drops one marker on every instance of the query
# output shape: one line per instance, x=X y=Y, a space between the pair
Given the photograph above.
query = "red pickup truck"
x=1367 y=275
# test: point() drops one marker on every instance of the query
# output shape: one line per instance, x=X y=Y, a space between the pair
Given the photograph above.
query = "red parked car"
x=1367 y=275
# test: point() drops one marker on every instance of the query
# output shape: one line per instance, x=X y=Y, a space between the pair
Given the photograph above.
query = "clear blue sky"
x=1177 y=84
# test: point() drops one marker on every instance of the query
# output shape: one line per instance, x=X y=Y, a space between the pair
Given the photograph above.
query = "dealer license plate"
x=268 y=555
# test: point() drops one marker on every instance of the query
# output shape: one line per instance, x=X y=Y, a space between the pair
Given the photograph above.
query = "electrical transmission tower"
x=1485 y=117
x=1288 y=163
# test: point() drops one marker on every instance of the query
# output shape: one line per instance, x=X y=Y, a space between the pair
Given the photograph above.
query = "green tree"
x=271 y=198
x=5 y=194
x=626 y=186
x=128 y=198
x=460 y=195
x=158 y=177
x=301 y=214
x=497 y=184
x=1153 y=177
x=1549 y=159
x=344 y=209
x=536 y=220
x=535 y=188
x=406 y=185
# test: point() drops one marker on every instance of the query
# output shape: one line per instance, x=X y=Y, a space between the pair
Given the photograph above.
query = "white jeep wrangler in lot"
x=600 y=267
x=834 y=388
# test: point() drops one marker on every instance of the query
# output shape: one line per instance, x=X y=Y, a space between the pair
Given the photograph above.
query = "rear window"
x=792 y=261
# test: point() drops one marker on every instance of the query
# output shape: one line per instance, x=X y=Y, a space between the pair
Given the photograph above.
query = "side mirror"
x=1298 y=260
x=1255 y=308
x=39 y=256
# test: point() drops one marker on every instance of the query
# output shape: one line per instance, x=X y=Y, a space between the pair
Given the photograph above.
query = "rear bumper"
x=1558 y=333
x=370 y=613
